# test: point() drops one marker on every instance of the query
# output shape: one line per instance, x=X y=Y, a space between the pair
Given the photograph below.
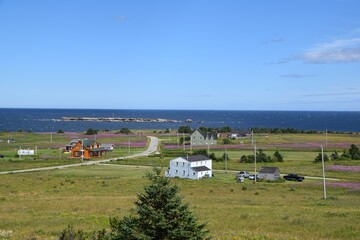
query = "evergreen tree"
x=125 y=131
x=278 y=157
x=354 y=152
x=159 y=214
x=91 y=131
x=319 y=158
x=184 y=129
x=212 y=156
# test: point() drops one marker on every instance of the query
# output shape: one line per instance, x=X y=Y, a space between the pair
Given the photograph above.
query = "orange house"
x=90 y=149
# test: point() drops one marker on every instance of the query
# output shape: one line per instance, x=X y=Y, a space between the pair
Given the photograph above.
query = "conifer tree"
x=158 y=214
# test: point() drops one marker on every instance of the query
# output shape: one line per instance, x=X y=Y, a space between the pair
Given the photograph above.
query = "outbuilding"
x=269 y=173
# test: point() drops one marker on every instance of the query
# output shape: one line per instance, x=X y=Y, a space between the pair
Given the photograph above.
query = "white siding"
x=182 y=168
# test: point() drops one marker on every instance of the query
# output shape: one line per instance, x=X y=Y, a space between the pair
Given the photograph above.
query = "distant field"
x=41 y=204
x=49 y=148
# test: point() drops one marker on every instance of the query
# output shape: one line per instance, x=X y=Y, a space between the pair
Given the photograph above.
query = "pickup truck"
x=293 y=177
x=243 y=174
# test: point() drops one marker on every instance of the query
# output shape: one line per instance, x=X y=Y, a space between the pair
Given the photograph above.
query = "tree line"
x=353 y=153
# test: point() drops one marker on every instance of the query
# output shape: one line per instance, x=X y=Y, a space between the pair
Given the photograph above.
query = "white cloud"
x=342 y=50
x=331 y=94
x=295 y=75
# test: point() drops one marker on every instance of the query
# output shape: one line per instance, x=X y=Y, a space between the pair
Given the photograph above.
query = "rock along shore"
x=116 y=119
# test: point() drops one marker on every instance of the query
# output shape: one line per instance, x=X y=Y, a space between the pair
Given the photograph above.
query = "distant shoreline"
x=41 y=120
x=116 y=119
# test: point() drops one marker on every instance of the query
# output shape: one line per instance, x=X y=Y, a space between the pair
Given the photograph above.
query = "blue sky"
x=188 y=54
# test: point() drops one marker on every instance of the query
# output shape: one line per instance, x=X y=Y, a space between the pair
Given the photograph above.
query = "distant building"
x=108 y=146
x=90 y=149
x=269 y=173
x=72 y=143
x=192 y=167
x=26 y=152
x=198 y=138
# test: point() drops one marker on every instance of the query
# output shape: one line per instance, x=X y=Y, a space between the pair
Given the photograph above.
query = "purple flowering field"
x=341 y=168
x=302 y=145
x=132 y=144
x=351 y=185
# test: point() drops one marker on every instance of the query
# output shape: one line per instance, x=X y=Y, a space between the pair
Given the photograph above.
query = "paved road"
x=153 y=145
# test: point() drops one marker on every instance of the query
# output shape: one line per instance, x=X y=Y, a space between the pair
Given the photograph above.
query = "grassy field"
x=49 y=148
x=41 y=204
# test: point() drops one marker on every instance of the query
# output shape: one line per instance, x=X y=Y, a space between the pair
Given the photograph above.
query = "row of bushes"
x=353 y=153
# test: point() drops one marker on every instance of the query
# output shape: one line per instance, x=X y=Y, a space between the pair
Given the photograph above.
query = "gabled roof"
x=88 y=142
x=207 y=135
x=200 y=168
x=107 y=145
x=196 y=158
x=269 y=170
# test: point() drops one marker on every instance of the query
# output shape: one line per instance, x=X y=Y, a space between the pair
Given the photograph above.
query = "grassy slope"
x=42 y=204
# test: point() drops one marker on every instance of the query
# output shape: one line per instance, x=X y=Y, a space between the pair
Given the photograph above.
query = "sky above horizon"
x=204 y=54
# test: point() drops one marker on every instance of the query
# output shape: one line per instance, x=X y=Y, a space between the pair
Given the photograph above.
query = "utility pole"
x=129 y=146
x=252 y=137
x=184 y=142
x=82 y=150
x=326 y=137
x=255 y=161
x=226 y=157
x=323 y=170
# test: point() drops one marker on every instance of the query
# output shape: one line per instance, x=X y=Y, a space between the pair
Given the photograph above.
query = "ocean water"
x=50 y=120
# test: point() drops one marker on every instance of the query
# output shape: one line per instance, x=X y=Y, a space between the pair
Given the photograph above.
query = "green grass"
x=49 y=153
x=41 y=204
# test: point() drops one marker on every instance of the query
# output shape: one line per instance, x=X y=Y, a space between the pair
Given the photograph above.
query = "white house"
x=192 y=167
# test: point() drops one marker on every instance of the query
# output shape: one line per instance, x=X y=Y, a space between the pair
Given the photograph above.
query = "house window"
x=183 y=172
x=183 y=164
x=176 y=164
x=193 y=174
x=176 y=171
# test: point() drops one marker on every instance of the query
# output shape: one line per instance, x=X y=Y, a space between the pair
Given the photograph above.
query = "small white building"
x=192 y=167
x=108 y=146
x=25 y=152
x=269 y=173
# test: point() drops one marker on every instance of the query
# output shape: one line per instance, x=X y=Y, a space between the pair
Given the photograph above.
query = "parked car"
x=293 y=177
x=253 y=176
x=240 y=179
x=244 y=174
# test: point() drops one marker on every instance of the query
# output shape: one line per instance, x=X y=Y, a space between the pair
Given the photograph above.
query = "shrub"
x=227 y=141
x=212 y=156
x=319 y=158
x=124 y=131
x=184 y=129
x=91 y=131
